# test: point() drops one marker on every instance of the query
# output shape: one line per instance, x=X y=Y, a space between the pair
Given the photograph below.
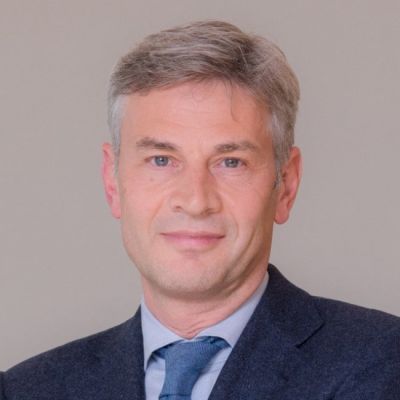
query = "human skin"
x=197 y=197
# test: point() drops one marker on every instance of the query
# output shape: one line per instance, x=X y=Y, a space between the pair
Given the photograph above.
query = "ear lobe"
x=288 y=187
x=110 y=181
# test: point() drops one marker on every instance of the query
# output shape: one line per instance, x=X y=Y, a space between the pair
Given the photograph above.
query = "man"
x=201 y=166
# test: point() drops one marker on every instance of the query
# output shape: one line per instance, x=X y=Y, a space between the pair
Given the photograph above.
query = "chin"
x=188 y=283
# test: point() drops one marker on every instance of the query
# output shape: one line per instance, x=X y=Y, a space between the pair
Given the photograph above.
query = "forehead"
x=212 y=106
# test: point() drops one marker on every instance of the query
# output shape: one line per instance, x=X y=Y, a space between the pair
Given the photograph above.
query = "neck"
x=187 y=316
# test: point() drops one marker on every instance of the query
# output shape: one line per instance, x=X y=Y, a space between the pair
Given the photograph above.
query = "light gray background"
x=63 y=271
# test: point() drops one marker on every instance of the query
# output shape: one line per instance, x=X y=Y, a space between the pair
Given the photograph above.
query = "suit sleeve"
x=2 y=395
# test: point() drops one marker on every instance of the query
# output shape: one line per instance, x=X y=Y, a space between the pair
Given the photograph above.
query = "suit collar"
x=268 y=350
x=288 y=309
x=116 y=365
x=127 y=355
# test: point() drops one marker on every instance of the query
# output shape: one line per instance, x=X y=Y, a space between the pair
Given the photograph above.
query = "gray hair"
x=209 y=50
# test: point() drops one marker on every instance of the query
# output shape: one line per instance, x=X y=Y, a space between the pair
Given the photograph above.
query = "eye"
x=160 y=161
x=232 y=162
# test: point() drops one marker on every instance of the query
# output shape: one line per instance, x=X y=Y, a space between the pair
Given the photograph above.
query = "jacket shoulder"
x=2 y=396
x=357 y=338
x=343 y=350
x=46 y=375
x=362 y=347
x=361 y=322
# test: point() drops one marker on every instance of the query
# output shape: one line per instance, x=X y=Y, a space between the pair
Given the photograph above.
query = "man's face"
x=195 y=189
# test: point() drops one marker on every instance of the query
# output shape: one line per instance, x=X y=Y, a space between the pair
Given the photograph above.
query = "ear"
x=110 y=180
x=288 y=186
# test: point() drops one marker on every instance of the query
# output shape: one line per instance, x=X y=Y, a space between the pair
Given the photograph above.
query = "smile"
x=186 y=240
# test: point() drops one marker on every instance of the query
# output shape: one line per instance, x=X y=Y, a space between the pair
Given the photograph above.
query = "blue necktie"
x=184 y=362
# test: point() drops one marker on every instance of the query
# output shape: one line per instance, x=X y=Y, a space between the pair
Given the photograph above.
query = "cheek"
x=136 y=219
x=141 y=200
x=252 y=209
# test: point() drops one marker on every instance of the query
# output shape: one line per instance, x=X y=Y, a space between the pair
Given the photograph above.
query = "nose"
x=196 y=193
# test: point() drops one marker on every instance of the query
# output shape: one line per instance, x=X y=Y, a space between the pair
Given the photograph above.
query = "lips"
x=187 y=240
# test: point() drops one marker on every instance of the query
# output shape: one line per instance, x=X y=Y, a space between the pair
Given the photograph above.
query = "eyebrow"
x=235 y=146
x=151 y=143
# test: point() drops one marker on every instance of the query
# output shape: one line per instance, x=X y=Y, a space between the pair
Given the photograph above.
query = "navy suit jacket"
x=295 y=347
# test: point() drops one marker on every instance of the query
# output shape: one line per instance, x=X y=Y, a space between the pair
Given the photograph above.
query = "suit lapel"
x=267 y=353
x=117 y=367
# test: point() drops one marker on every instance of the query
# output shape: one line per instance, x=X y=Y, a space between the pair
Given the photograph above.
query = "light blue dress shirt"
x=156 y=335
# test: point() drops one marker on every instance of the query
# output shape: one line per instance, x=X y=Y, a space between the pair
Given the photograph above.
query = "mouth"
x=188 y=240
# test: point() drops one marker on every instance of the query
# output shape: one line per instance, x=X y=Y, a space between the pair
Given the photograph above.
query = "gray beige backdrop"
x=63 y=271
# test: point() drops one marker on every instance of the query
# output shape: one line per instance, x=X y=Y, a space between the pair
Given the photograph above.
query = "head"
x=202 y=161
x=207 y=51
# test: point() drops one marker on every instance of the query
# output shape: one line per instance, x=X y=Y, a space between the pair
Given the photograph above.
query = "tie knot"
x=184 y=362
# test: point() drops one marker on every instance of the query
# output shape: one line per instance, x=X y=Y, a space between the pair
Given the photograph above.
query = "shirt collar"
x=156 y=335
